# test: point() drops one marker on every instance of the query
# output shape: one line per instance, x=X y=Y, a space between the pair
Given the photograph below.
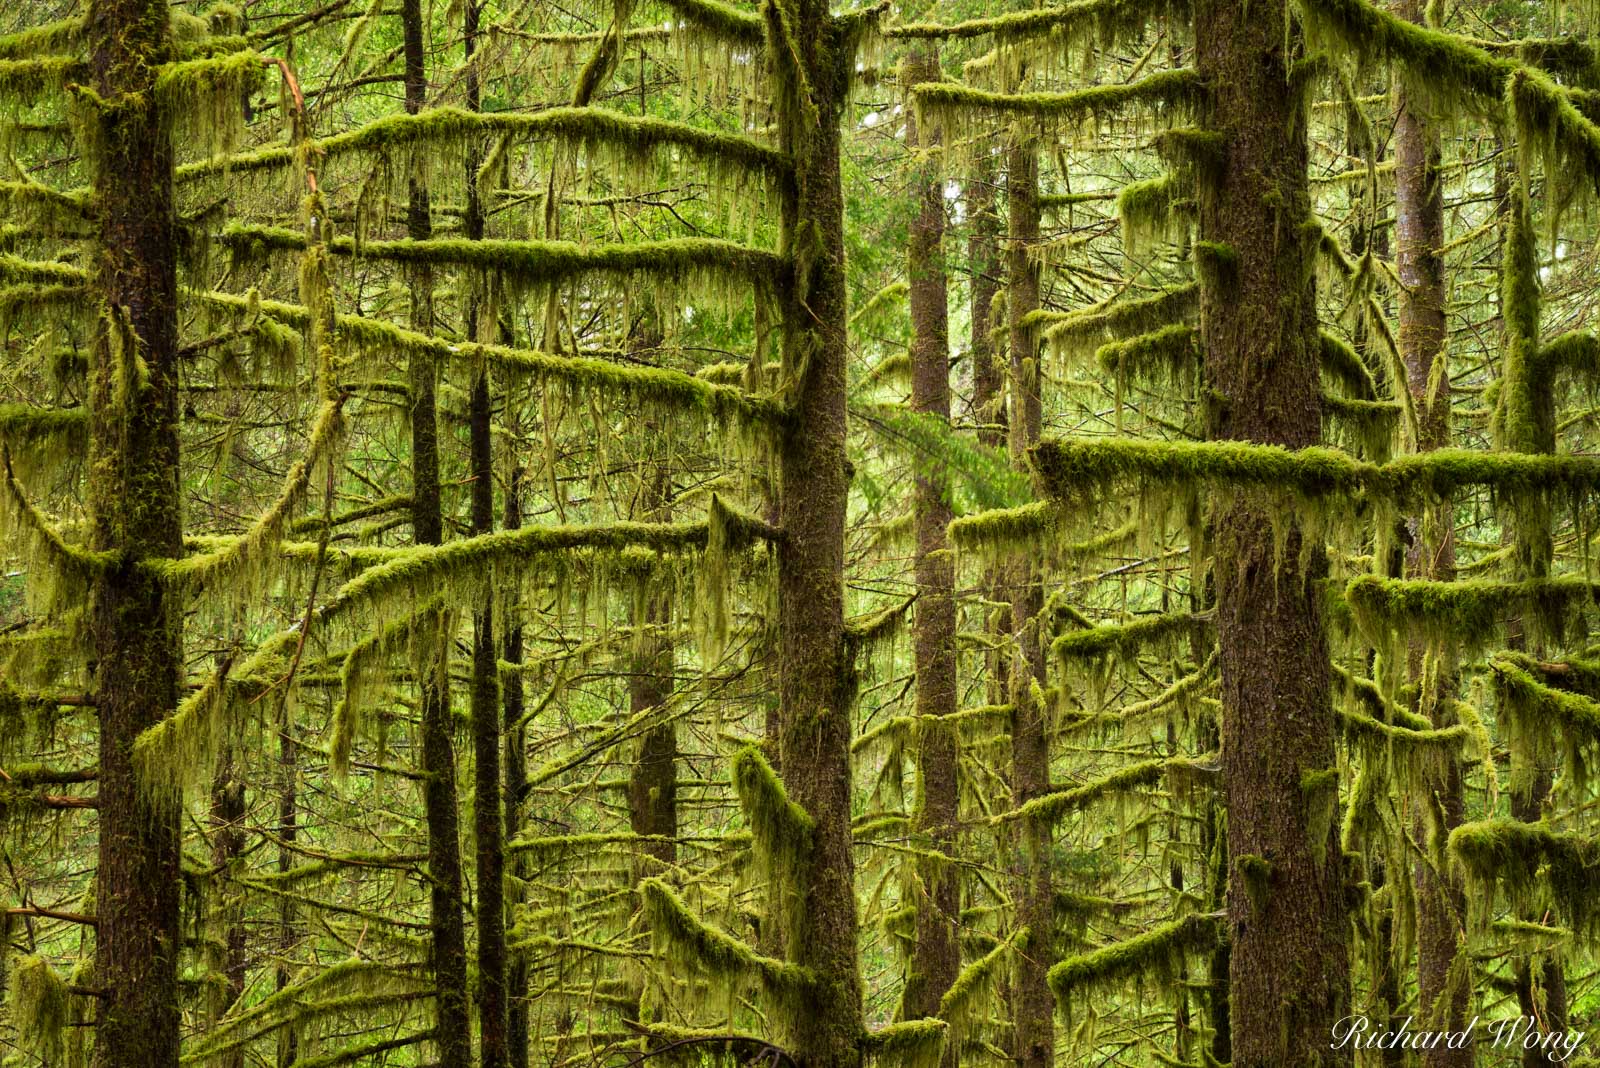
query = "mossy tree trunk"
x=1419 y=233
x=439 y=794
x=936 y=959
x=817 y=677
x=653 y=778
x=487 y=811
x=1033 y=1006
x=135 y=626
x=516 y=778
x=1526 y=424
x=227 y=845
x=1289 y=964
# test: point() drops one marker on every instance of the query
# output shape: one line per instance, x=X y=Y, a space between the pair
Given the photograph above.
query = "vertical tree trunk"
x=135 y=628
x=817 y=683
x=438 y=751
x=1033 y=1006
x=1289 y=966
x=488 y=818
x=288 y=822
x=936 y=959
x=653 y=779
x=516 y=778
x=1419 y=232
x=227 y=843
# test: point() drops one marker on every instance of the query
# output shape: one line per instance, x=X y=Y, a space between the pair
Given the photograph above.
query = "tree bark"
x=653 y=779
x=439 y=795
x=1033 y=1005
x=818 y=679
x=1419 y=233
x=516 y=777
x=135 y=628
x=936 y=958
x=1289 y=963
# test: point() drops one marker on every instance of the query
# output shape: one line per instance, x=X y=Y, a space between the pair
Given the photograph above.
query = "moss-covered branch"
x=586 y=127
x=1103 y=18
x=1466 y=611
x=907 y=1044
x=683 y=938
x=1180 y=89
x=1525 y=858
x=1126 y=639
x=541 y=262
x=1161 y=947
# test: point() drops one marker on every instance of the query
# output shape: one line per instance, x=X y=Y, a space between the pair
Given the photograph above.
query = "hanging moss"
x=1552 y=125
x=907 y=1044
x=24 y=427
x=1529 y=860
x=969 y=997
x=202 y=97
x=1150 y=210
x=984 y=475
x=1372 y=427
x=38 y=1007
x=1256 y=875
x=1345 y=367
x=1105 y=20
x=15 y=269
x=1161 y=948
x=61 y=37
x=24 y=81
x=685 y=940
x=1051 y=807
x=781 y=830
x=1071 y=468
x=1126 y=639
x=1440 y=62
x=724 y=20
x=1085 y=330
x=446 y=127
x=1173 y=88
x=704 y=260
x=1462 y=611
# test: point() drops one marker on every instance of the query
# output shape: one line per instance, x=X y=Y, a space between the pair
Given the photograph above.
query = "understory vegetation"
x=713 y=533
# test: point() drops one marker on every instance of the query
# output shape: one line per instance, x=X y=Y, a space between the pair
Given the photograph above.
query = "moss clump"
x=1463 y=611
x=683 y=939
x=1088 y=328
x=1172 y=352
x=1161 y=947
x=782 y=832
x=1319 y=794
x=1102 y=18
x=1255 y=873
x=1051 y=807
x=907 y=1044
x=1173 y=88
x=38 y=1007
x=1151 y=210
x=1126 y=639
x=975 y=987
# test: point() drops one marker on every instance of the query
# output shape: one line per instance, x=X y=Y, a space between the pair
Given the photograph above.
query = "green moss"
x=1088 y=328
x=1101 y=18
x=1463 y=611
x=24 y=81
x=64 y=36
x=1158 y=948
x=1440 y=62
x=38 y=1007
x=1343 y=366
x=969 y=996
x=1529 y=863
x=683 y=939
x=1372 y=427
x=1319 y=796
x=579 y=127
x=724 y=20
x=1150 y=210
x=1171 y=353
x=1256 y=874
x=907 y=1044
x=1071 y=468
x=1174 y=88
x=1126 y=639
x=1051 y=807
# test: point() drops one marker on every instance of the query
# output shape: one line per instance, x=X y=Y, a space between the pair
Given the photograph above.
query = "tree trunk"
x=227 y=843
x=439 y=803
x=936 y=959
x=1419 y=232
x=1033 y=1006
x=818 y=680
x=1289 y=963
x=653 y=779
x=516 y=776
x=134 y=627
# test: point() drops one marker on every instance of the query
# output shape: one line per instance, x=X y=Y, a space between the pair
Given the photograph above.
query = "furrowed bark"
x=653 y=779
x=818 y=680
x=516 y=777
x=135 y=626
x=1289 y=963
x=1419 y=233
x=1033 y=1005
x=936 y=959
x=439 y=795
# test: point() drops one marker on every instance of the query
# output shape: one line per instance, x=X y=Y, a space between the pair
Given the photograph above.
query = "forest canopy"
x=704 y=532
